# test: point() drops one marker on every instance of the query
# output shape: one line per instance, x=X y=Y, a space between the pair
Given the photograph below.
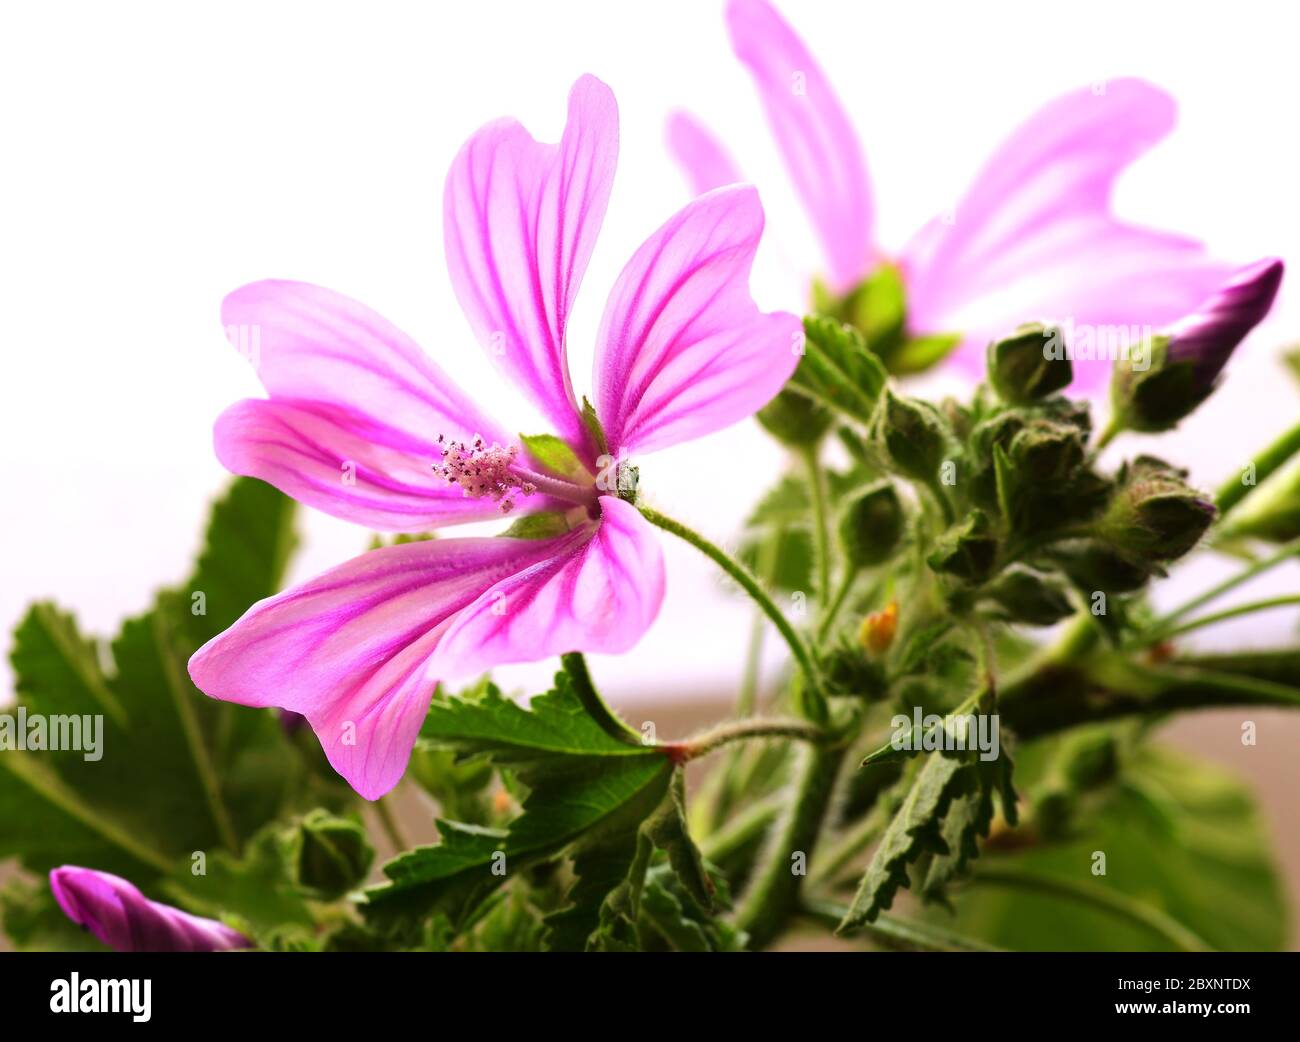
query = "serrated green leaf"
x=554 y=454
x=968 y=820
x=594 y=791
x=592 y=784
x=914 y=830
x=554 y=725
x=838 y=369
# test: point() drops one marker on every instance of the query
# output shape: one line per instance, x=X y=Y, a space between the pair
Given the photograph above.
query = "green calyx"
x=1030 y=364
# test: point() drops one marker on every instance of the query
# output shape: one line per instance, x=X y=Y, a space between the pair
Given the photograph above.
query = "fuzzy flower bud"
x=910 y=434
x=871 y=525
x=1153 y=514
x=1022 y=368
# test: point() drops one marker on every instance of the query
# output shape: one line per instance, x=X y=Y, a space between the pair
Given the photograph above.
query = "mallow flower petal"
x=816 y=138
x=599 y=596
x=355 y=412
x=351 y=650
x=121 y=917
x=520 y=221
x=682 y=349
x=699 y=153
x=1034 y=237
x=349 y=465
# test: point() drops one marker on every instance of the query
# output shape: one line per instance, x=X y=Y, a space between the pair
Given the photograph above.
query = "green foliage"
x=594 y=791
x=177 y=771
x=176 y=775
x=1184 y=843
x=948 y=806
x=838 y=370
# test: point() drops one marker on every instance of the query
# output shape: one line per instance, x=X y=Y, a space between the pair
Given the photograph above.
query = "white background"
x=156 y=156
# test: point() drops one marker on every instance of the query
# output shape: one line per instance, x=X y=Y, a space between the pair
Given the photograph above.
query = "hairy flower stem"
x=751 y=586
x=384 y=811
x=821 y=524
x=773 y=894
x=1156 y=634
x=837 y=602
x=1111 y=431
x=1287 y=551
x=1234 y=490
x=741 y=731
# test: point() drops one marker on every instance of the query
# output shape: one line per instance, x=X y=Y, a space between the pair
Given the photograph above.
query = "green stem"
x=1155 y=636
x=751 y=586
x=849 y=846
x=935 y=488
x=898 y=934
x=1111 y=431
x=837 y=602
x=773 y=893
x=1287 y=551
x=1233 y=491
x=742 y=830
x=821 y=525
x=1267 y=692
x=1100 y=897
x=384 y=811
x=741 y=731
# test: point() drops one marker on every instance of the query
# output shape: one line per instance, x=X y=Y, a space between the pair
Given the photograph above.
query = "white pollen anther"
x=481 y=471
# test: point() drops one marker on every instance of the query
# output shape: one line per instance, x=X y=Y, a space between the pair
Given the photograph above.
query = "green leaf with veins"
x=178 y=771
x=1182 y=837
x=594 y=791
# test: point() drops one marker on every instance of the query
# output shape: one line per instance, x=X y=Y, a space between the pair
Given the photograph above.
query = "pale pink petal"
x=816 y=139
x=700 y=154
x=349 y=465
x=355 y=412
x=1035 y=239
x=351 y=650
x=520 y=222
x=682 y=349
x=598 y=596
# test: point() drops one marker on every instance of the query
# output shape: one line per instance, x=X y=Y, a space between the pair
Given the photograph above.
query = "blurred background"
x=160 y=156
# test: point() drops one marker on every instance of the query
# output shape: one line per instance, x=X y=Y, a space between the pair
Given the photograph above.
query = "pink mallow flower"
x=127 y=921
x=361 y=424
x=1033 y=238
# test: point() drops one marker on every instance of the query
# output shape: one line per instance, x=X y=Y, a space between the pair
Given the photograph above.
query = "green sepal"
x=555 y=455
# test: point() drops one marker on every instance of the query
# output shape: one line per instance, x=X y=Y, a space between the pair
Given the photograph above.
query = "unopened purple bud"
x=127 y=921
x=1185 y=360
x=1207 y=337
